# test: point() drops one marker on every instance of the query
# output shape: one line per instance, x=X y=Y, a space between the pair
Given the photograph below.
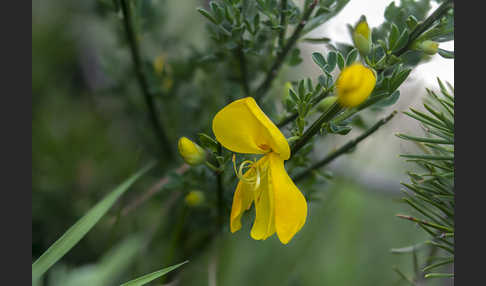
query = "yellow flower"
x=192 y=153
x=362 y=37
x=280 y=207
x=354 y=85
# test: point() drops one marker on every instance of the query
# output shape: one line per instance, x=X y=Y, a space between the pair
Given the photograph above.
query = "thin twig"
x=152 y=191
x=272 y=73
x=142 y=80
x=345 y=148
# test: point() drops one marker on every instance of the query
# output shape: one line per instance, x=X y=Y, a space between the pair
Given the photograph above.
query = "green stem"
x=243 y=70
x=272 y=73
x=142 y=80
x=433 y=225
x=344 y=149
x=219 y=177
x=294 y=115
x=315 y=127
x=425 y=25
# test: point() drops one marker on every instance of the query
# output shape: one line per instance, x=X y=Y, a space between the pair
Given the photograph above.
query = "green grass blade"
x=152 y=276
x=77 y=231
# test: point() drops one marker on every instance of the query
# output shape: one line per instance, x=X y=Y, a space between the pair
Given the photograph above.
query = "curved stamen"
x=248 y=179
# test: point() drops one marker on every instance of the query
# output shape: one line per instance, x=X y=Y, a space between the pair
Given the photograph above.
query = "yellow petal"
x=242 y=200
x=264 y=224
x=242 y=127
x=290 y=204
x=354 y=85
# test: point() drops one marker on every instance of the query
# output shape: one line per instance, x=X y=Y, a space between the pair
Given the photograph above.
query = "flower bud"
x=159 y=63
x=326 y=103
x=192 y=153
x=354 y=85
x=429 y=47
x=362 y=37
x=194 y=198
x=286 y=93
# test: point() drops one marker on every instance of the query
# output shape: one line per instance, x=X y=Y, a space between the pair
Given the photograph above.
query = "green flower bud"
x=429 y=47
x=326 y=103
x=287 y=86
x=362 y=37
x=192 y=153
x=194 y=198
x=159 y=64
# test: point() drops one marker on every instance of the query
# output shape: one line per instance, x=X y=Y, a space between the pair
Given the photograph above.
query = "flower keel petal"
x=290 y=204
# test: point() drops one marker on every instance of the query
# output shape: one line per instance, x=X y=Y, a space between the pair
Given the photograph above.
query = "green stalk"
x=344 y=149
x=142 y=80
x=272 y=73
x=327 y=116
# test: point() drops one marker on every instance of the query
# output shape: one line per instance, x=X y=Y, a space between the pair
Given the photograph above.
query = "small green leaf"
x=217 y=10
x=317 y=40
x=407 y=249
x=331 y=61
x=402 y=41
x=295 y=58
x=397 y=80
x=319 y=59
x=208 y=142
x=351 y=57
x=77 y=231
x=439 y=275
x=411 y=22
x=207 y=15
x=152 y=276
x=301 y=89
x=340 y=61
x=293 y=96
x=390 y=100
x=394 y=34
x=322 y=80
x=446 y=54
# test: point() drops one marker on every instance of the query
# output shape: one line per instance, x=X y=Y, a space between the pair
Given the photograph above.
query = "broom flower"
x=280 y=207
x=354 y=85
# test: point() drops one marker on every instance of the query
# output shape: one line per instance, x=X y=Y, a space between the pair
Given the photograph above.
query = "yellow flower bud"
x=192 y=153
x=362 y=37
x=428 y=47
x=326 y=103
x=354 y=85
x=159 y=63
x=194 y=198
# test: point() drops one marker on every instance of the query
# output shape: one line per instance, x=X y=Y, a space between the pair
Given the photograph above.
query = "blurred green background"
x=89 y=133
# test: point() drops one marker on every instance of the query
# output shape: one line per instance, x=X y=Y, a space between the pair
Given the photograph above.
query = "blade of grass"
x=152 y=276
x=77 y=231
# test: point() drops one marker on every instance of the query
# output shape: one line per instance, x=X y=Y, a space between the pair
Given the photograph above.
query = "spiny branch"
x=345 y=148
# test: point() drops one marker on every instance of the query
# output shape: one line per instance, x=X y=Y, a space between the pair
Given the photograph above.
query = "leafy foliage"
x=431 y=193
x=183 y=79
